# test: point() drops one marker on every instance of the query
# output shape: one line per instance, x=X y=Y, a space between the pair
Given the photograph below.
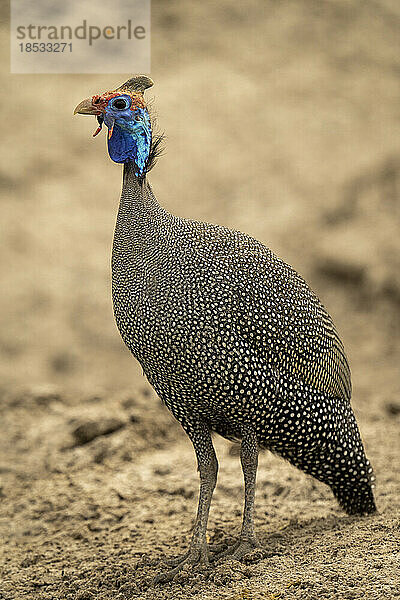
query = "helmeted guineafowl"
x=231 y=338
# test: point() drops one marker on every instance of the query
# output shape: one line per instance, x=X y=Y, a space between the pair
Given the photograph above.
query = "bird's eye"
x=120 y=104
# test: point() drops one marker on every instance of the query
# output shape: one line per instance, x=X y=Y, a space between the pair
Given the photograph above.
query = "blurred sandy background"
x=282 y=119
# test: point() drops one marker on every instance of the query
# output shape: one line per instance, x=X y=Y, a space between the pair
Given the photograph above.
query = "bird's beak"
x=86 y=107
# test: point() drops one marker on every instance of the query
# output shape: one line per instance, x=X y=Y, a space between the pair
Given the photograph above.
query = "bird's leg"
x=249 y=460
x=208 y=468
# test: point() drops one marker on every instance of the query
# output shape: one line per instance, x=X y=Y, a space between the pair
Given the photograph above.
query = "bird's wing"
x=281 y=317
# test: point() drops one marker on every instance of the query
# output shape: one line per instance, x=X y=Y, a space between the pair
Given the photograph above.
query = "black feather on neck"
x=156 y=149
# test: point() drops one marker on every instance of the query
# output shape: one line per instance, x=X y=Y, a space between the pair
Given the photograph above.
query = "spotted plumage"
x=234 y=341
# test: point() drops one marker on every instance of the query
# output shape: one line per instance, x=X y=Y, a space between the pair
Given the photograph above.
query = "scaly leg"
x=249 y=460
x=208 y=468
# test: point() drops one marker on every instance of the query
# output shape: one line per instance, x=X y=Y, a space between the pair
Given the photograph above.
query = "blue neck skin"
x=130 y=137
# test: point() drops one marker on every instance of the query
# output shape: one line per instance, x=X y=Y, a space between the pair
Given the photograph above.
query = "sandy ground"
x=97 y=491
x=282 y=120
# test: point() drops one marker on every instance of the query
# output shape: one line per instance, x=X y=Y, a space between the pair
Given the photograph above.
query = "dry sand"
x=282 y=120
x=98 y=490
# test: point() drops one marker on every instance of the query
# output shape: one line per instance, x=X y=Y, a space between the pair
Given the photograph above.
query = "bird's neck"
x=140 y=221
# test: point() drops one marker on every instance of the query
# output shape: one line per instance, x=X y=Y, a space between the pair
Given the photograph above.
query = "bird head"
x=125 y=114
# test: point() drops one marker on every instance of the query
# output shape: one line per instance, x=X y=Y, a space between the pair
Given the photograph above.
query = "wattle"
x=131 y=140
x=122 y=145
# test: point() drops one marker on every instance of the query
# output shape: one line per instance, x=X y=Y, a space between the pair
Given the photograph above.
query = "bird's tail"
x=352 y=478
x=338 y=459
x=353 y=482
x=357 y=500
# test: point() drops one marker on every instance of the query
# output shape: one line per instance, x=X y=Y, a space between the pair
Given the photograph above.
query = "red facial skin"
x=101 y=101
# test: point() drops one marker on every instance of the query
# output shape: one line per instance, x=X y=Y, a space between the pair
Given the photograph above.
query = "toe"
x=241 y=549
x=198 y=556
x=177 y=560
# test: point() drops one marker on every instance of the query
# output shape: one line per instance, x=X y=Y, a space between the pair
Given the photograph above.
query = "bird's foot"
x=243 y=547
x=196 y=556
x=177 y=560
